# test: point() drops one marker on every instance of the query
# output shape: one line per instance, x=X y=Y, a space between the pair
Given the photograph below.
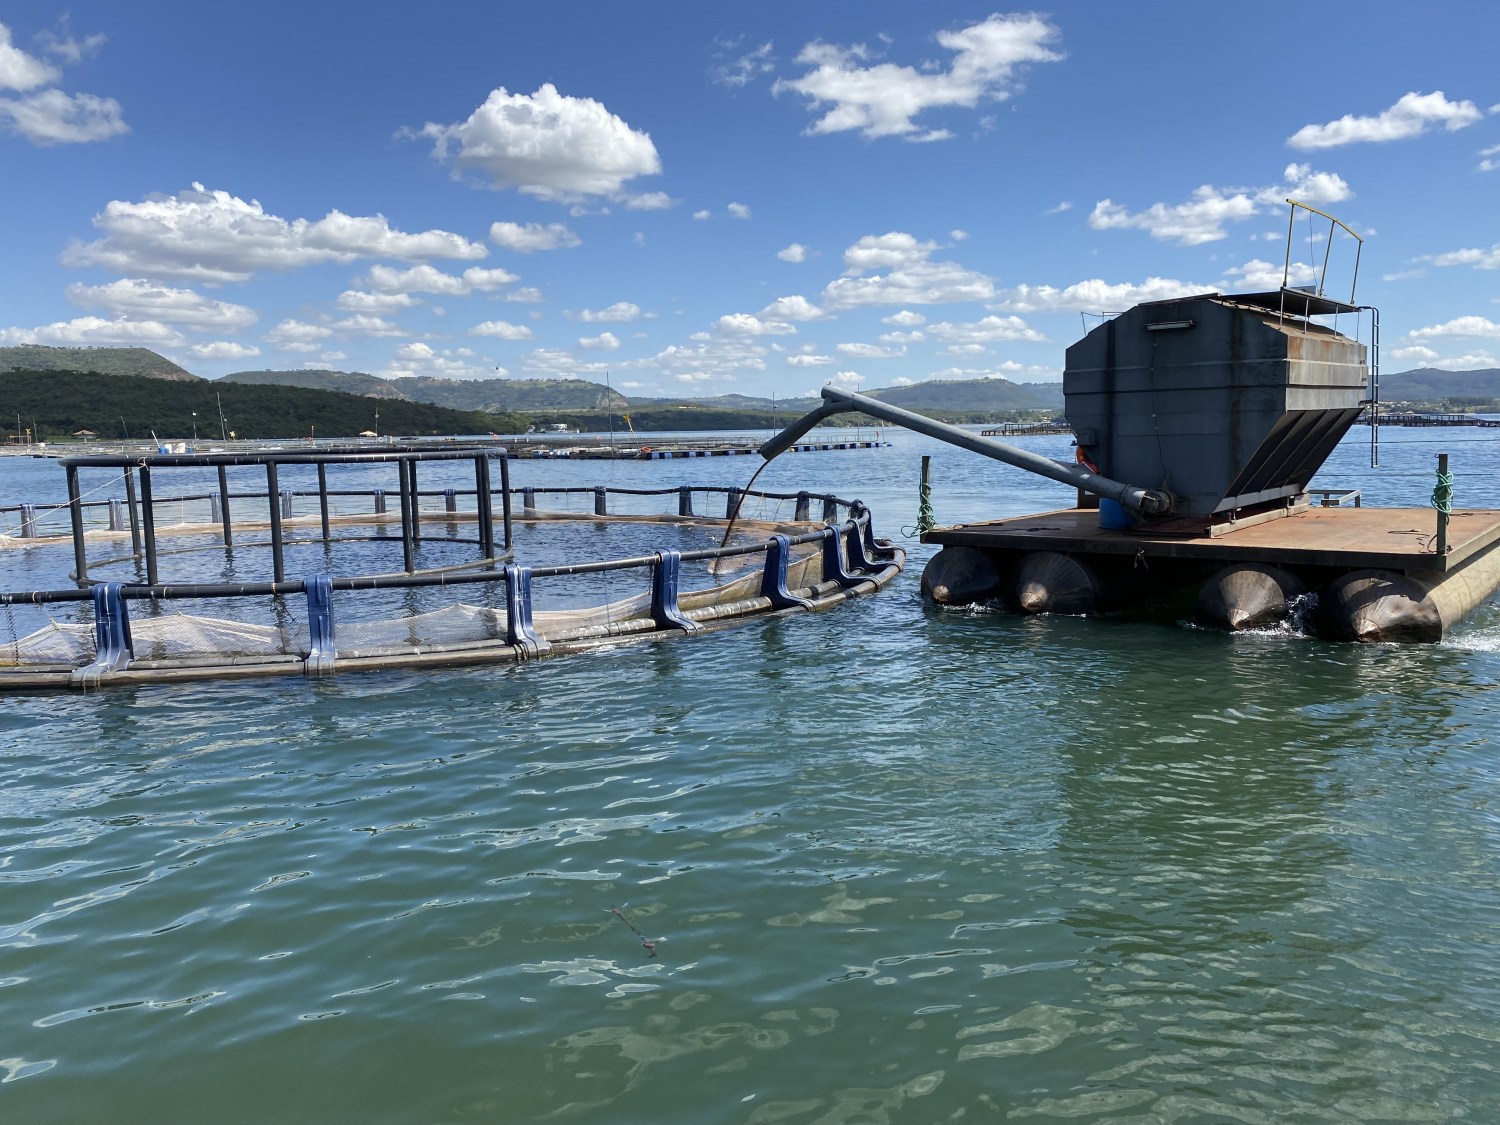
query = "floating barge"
x=1199 y=424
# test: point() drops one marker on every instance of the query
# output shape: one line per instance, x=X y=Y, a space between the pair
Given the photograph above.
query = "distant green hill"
x=140 y=362
x=977 y=400
x=976 y=396
x=1430 y=385
x=57 y=405
x=456 y=394
x=349 y=382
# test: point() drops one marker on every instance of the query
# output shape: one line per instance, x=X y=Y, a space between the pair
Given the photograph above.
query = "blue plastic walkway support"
x=380 y=501
x=665 y=578
x=286 y=503
x=519 y=629
x=685 y=500
x=875 y=548
x=830 y=509
x=601 y=504
x=450 y=499
x=833 y=562
x=803 y=510
x=773 y=578
x=854 y=544
x=28 y=521
x=113 y=648
x=321 y=652
x=732 y=504
x=528 y=499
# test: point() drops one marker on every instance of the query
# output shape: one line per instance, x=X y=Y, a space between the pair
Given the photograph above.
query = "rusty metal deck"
x=1351 y=538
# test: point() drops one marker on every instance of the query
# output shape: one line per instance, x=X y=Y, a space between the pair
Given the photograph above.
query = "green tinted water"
x=909 y=866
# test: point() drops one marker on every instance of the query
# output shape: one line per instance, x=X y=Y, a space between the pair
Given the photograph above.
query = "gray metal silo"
x=1230 y=403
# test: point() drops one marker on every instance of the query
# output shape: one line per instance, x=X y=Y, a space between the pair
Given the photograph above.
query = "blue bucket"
x=1112 y=517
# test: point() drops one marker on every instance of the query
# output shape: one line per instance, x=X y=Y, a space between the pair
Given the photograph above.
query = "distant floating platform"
x=675 y=450
x=1376 y=572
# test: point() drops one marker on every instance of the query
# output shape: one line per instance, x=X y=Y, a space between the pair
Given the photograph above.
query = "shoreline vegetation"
x=132 y=394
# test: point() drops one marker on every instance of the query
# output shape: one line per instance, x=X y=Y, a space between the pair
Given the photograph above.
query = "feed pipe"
x=1134 y=498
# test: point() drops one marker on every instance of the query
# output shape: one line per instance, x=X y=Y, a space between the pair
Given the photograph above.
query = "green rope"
x=925 y=520
x=1442 y=495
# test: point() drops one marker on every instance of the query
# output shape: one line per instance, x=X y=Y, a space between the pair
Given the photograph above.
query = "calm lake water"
x=907 y=865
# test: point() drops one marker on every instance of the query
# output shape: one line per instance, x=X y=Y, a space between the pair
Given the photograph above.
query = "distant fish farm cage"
x=258 y=580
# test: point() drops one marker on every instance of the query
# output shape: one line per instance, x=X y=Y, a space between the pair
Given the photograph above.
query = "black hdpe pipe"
x=1133 y=498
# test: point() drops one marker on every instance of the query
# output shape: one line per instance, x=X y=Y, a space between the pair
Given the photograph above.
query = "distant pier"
x=1436 y=420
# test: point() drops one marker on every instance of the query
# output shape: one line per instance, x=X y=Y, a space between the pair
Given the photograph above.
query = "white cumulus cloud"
x=605 y=341
x=20 y=71
x=502 y=330
x=743 y=324
x=882 y=100
x=621 y=312
x=796 y=252
x=137 y=299
x=546 y=145
x=93 y=331
x=1203 y=217
x=212 y=236
x=795 y=307
x=1465 y=326
x=223 y=349
x=429 y=279
x=359 y=301
x=51 y=116
x=524 y=239
x=1412 y=115
x=738 y=210
x=986 y=330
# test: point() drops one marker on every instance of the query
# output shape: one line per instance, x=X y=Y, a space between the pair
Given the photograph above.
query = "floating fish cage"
x=237 y=575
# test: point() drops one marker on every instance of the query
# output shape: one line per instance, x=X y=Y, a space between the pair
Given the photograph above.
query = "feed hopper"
x=1229 y=403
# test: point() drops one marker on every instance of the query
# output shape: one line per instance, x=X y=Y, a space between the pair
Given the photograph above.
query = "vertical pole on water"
x=408 y=548
x=1442 y=500
x=484 y=506
x=924 y=497
x=148 y=525
x=224 y=505
x=278 y=570
x=505 y=497
x=323 y=498
x=75 y=510
x=130 y=504
x=416 y=504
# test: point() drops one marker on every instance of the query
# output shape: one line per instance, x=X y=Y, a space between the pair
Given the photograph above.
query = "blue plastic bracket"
x=874 y=548
x=685 y=500
x=664 y=584
x=601 y=502
x=854 y=544
x=833 y=561
x=803 y=511
x=321 y=651
x=773 y=578
x=113 y=647
x=519 y=627
x=830 y=509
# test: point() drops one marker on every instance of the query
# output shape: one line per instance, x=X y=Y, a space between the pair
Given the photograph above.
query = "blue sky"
x=700 y=199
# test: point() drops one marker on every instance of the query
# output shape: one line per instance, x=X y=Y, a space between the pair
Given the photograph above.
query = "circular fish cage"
x=203 y=566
